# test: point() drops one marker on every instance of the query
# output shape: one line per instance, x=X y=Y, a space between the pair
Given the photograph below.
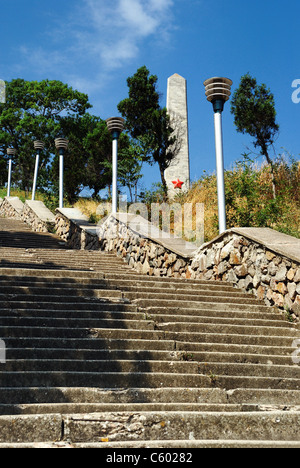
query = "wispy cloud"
x=100 y=37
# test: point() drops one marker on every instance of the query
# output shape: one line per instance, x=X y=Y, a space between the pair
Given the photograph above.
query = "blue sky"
x=94 y=45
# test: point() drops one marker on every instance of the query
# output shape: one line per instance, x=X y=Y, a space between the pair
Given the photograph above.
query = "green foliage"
x=35 y=110
x=253 y=107
x=146 y=121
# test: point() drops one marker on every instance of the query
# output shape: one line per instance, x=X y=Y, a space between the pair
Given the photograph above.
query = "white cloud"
x=120 y=27
x=99 y=37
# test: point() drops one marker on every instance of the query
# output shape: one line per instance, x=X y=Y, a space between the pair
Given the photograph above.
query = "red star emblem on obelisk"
x=177 y=184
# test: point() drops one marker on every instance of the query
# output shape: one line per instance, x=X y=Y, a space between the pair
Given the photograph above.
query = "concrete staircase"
x=98 y=356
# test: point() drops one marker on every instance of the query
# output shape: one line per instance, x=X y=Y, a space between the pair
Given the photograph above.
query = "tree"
x=130 y=166
x=253 y=107
x=147 y=121
x=35 y=110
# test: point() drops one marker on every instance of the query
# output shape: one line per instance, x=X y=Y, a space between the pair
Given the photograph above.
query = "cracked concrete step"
x=143 y=427
x=182 y=426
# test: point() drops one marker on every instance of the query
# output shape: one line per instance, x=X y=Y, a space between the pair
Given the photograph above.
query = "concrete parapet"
x=38 y=216
x=11 y=207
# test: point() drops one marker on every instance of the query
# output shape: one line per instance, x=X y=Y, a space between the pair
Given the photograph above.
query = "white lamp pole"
x=218 y=91
x=38 y=146
x=11 y=152
x=62 y=145
x=115 y=126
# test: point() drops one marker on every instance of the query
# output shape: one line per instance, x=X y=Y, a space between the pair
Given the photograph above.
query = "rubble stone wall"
x=251 y=266
x=140 y=252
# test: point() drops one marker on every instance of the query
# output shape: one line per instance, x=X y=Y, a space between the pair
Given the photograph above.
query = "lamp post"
x=61 y=145
x=38 y=146
x=115 y=126
x=11 y=153
x=218 y=91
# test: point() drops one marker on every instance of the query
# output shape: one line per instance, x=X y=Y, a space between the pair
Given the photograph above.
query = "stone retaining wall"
x=73 y=227
x=137 y=242
x=252 y=266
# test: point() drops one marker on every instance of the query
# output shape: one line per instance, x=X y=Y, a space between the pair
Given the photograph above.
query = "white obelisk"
x=178 y=111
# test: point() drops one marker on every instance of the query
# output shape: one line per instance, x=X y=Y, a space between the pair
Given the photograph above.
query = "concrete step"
x=223 y=311
x=42 y=299
x=203 y=303
x=115 y=366
x=247 y=369
x=229 y=328
x=183 y=426
x=157 y=285
x=132 y=355
x=192 y=297
x=89 y=343
x=138 y=320
x=159 y=444
x=93 y=395
x=101 y=380
x=271 y=400
x=194 y=337
x=151 y=426
x=69 y=408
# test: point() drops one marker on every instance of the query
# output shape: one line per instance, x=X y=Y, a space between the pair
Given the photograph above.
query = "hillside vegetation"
x=249 y=197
